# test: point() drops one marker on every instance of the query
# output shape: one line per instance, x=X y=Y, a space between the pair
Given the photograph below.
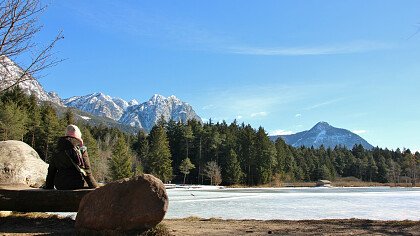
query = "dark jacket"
x=62 y=173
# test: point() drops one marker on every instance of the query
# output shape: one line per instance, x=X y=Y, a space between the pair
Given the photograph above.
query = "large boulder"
x=129 y=204
x=21 y=165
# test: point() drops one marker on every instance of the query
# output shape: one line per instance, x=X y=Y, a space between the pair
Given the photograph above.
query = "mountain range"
x=115 y=111
x=143 y=116
x=324 y=134
x=133 y=115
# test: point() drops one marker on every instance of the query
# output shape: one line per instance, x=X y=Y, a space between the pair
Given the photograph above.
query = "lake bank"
x=339 y=182
x=40 y=223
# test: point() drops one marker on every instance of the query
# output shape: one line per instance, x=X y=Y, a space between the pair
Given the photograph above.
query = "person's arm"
x=90 y=180
x=52 y=170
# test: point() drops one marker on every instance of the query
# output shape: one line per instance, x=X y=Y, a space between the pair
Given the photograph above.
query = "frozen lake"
x=376 y=203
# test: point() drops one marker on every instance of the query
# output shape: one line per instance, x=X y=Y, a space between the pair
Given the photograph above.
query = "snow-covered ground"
x=379 y=203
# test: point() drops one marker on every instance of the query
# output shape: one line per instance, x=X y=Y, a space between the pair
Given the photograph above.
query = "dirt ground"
x=284 y=227
x=42 y=224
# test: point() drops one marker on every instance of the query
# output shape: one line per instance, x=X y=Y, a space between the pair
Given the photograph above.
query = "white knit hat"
x=74 y=131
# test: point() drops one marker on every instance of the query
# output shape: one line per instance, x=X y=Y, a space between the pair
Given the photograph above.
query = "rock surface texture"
x=128 y=204
x=21 y=164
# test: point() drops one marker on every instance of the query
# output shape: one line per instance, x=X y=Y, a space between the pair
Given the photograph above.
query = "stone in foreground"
x=20 y=164
x=128 y=204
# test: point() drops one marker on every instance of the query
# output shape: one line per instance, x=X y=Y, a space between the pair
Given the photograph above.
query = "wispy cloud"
x=271 y=99
x=281 y=132
x=360 y=131
x=343 y=48
x=122 y=17
x=298 y=115
x=259 y=114
x=325 y=103
x=238 y=117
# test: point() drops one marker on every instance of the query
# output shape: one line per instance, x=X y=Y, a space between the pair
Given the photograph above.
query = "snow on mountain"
x=146 y=115
x=99 y=104
x=132 y=113
x=10 y=72
x=133 y=102
x=324 y=134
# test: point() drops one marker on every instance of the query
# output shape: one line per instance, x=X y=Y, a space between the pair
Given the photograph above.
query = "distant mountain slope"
x=324 y=134
x=99 y=104
x=10 y=72
x=148 y=113
x=140 y=116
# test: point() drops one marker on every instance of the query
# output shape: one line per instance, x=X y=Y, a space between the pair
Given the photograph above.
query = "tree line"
x=197 y=153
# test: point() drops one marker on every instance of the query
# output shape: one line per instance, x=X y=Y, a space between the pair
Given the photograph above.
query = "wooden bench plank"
x=17 y=198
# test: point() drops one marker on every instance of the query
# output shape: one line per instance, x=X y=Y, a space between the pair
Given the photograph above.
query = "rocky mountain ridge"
x=10 y=72
x=144 y=115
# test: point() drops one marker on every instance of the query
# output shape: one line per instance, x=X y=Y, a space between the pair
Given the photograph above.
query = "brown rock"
x=128 y=204
x=20 y=164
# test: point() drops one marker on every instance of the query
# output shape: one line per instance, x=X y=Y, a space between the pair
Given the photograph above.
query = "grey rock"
x=21 y=164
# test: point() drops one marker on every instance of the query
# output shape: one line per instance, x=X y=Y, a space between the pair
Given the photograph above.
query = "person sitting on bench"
x=70 y=166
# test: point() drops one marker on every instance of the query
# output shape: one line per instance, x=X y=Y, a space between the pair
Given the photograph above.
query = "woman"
x=70 y=166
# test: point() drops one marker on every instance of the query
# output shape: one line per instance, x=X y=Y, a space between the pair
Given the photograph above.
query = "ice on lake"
x=376 y=203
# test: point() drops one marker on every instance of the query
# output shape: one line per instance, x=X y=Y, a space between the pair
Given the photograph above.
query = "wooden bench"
x=26 y=199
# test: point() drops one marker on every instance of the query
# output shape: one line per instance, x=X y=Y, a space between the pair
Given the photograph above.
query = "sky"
x=282 y=65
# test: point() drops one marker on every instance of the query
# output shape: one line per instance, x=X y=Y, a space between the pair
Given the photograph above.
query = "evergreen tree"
x=247 y=153
x=325 y=172
x=15 y=95
x=176 y=143
x=372 y=169
x=121 y=164
x=142 y=149
x=34 y=123
x=50 y=130
x=197 y=152
x=233 y=173
x=159 y=160
x=383 y=170
x=188 y=136
x=13 y=121
x=68 y=118
x=266 y=157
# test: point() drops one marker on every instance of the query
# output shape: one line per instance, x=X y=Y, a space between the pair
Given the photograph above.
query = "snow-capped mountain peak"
x=146 y=115
x=133 y=102
x=324 y=134
x=98 y=104
x=156 y=98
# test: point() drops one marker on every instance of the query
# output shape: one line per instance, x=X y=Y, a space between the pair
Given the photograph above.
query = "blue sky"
x=282 y=65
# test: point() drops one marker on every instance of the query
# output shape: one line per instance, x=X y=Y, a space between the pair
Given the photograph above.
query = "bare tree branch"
x=18 y=27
